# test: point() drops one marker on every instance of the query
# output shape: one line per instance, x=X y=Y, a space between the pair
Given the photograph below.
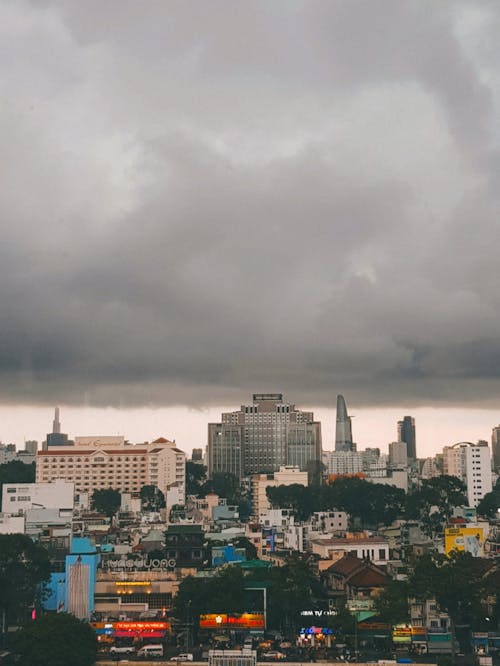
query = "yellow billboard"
x=468 y=539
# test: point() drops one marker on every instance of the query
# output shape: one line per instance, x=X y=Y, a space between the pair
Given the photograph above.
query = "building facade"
x=96 y=465
x=472 y=464
x=343 y=427
x=262 y=437
x=495 y=448
x=407 y=433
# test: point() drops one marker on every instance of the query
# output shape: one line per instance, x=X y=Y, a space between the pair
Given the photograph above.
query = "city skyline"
x=372 y=427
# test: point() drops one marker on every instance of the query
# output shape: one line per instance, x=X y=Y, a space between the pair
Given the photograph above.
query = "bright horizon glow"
x=372 y=427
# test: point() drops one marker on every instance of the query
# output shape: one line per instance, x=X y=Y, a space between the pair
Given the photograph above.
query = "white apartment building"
x=472 y=464
x=374 y=548
x=342 y=462
x=21 y=497
x=95 y=465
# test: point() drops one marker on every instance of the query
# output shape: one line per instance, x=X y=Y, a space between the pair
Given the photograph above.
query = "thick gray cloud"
x=204 y=199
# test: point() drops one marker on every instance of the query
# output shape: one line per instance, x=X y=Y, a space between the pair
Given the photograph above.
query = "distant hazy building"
x=197 y=456
x=343 y=427
x=472 y=464
x=406 y=433
x=398 y=453
x=31 y=446
x=342 y=462
x=262 y=437
x=495 y=447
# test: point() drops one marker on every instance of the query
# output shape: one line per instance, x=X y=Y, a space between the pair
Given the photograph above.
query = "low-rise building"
x=373 y=548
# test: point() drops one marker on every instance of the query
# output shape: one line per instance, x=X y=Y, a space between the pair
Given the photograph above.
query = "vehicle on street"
x=150 y=651
x=183 y=657
x=273 y=655
x=125 y=649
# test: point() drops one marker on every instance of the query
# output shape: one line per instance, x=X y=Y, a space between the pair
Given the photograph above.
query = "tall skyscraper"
x=56 y=437
x=406 y=433
x=56 y=424
x=262 y=437
x=343 y=427
x=495 y=447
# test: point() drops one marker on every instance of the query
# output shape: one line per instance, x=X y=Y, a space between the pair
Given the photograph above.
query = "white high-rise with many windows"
x=472 y=464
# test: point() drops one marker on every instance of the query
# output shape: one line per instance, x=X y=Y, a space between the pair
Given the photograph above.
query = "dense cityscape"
x=264 y=545
x=249 y=340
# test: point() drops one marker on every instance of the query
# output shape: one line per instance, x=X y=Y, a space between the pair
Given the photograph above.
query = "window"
x=381 y=554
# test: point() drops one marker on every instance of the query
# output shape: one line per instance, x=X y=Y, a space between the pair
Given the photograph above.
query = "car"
x=125 y=649
x=182 y=657
x=273 y=654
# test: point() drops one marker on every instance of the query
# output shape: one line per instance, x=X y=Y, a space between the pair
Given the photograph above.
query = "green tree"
x=225 y=485
x=300 y=499
x=293 y=588
x=152 y=499
x=196 y=475
x=391 y=605
x=433 y=503
x=56 y=640
x=106 y=501
x=223 y=593
x=16 y=471
x=23 y=566
x=489 y=506
x=457 y=583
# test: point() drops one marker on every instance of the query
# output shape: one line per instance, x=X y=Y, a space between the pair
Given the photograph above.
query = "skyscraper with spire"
x=343 y=428
x=56 y=437
x=56 y=424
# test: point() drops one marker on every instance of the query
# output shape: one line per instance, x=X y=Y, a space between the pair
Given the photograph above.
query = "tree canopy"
x=56 y=640
x=489 y=506
x=152 y=499
x=16 y=471
x=433 y=503
x=23 y=566
x=106 y=501
x=196 y=475
x=457 y=583
x=225 y=485
x=391 y=605
x=368 y=504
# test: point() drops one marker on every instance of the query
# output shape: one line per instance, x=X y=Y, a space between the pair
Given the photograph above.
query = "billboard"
x=468 y=539
x=232 y=621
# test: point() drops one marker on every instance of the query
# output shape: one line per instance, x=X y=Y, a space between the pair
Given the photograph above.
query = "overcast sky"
x=204 y=199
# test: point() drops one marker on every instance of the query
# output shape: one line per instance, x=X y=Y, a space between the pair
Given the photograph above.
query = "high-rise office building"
x=262 y=437
x=406 y=433
x=495 y=448
x=343 y=427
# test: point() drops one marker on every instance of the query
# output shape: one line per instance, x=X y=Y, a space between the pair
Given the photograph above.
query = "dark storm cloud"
x=203 y=199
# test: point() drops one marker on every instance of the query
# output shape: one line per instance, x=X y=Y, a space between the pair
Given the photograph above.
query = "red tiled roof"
x=368 y=577
x=346 y=565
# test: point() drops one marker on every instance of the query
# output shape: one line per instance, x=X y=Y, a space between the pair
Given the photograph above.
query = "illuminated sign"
x=232 y=621
x=319 y=613
x=133 y=583
x=308 y=631
x=140 y=626
x=401 y=634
